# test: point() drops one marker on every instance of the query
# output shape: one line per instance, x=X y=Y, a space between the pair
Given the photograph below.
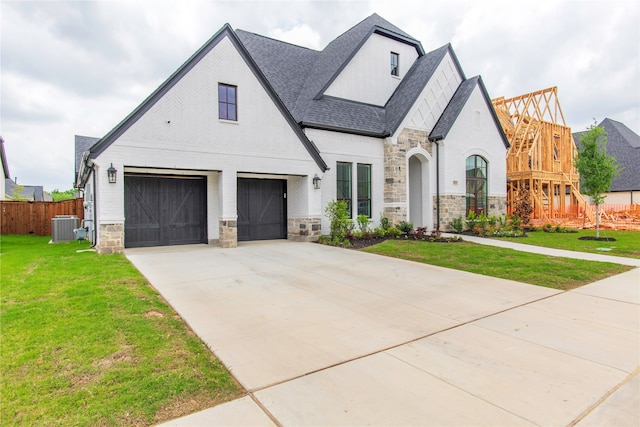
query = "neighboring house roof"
x=82 y=145
x=225 y=31
x=26 y=192
x=3 y=159
x=457 y=103
x=624 y=145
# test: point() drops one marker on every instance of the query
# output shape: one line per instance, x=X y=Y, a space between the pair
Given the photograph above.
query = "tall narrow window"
x=476 y=185
x=227 y=102
x=364 y=189
x=395 y=64
x=343 y=193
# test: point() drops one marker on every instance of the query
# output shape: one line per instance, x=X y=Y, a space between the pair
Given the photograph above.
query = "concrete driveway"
x=325 y=336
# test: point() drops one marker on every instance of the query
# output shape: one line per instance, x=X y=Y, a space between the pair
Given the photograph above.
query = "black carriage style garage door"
x=262 y=213
x=162 y=211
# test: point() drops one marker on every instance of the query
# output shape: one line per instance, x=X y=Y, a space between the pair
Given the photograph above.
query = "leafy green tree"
x=597 y=169
x=58 y=195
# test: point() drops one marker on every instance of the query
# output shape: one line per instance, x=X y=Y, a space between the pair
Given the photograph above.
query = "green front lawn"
x=87 y=341
x=627 y=243
x=552 y=272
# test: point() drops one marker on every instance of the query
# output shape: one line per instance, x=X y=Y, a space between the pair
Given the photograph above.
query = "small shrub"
x=393 y=233
x=419 y=233
x=405 y=227
x=363 y=223
x=457 y=224
x=339 y=221
x=471 y=220
x=385 y=224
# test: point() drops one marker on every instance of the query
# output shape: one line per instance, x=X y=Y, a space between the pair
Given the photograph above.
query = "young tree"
x=597 y=169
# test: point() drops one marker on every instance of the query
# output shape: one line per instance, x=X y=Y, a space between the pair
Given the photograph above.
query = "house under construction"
x=541 y=157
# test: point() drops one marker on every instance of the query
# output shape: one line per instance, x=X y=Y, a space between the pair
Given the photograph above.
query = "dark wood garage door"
x=161 y=211
x=261 y=209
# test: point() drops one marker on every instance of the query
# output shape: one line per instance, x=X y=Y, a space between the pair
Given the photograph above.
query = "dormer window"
x=395 y=64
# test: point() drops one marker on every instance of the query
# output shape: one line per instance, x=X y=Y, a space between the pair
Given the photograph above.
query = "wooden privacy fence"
x=27 y=217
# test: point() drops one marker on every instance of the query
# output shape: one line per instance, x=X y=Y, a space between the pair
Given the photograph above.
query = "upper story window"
x=395 y=64
x=227 y=102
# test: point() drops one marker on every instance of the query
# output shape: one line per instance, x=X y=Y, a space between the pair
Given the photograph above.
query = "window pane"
x=222 y=93
x=476 y=171
x=394 y=64
x=227 y=106
x=364 y=189
x=343 y=183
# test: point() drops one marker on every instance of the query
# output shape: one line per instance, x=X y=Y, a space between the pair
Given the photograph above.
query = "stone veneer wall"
x=456 y=206
x=395 y=172
x=306 y=229
x=228 y=234
x=111 y=238
x=450 y=207
x=497 y=205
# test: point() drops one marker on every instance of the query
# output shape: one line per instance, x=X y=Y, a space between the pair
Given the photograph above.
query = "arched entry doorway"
x=420 y=199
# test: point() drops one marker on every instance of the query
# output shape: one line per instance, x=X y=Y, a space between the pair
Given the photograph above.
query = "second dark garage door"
x=162 y=211
x=262 y=213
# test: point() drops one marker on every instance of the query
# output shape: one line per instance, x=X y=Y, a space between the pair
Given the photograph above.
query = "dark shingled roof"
x=624 y=145
x=296 y=79
x=300 y=76
x=82 y=144
x=27 y=192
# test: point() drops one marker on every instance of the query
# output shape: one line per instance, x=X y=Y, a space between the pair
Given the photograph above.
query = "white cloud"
x=74 y=67
x=301 y=35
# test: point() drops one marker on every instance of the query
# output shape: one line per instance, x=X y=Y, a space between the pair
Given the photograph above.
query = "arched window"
x=476 y=185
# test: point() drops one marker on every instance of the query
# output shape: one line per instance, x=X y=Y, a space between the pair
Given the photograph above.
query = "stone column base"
x=110 y=239
x=306 y=229
x=228 y=234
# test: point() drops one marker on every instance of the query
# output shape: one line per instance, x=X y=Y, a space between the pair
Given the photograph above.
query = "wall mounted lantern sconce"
x=316 y=182
x=111 y=173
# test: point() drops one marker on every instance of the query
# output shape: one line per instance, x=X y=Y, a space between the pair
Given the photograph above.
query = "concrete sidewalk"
x=324 y=336
x=634 y=262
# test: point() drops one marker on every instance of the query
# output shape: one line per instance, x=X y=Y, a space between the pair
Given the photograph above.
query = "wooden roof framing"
x=542 y=153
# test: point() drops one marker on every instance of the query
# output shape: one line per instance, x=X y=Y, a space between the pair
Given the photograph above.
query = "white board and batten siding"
x=367 y=77
x=341 y=147
x=182 y=132
x=474 y=133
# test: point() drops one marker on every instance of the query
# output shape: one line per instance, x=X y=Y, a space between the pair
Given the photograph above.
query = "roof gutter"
x=311 y=125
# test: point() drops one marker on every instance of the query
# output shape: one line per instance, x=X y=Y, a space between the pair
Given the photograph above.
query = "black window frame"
x=477 y=184
x=344 y=186
x=364 y=189
x=224 y=103
x=394 y=60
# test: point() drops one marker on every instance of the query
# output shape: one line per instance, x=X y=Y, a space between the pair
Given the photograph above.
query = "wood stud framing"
x=541 y=157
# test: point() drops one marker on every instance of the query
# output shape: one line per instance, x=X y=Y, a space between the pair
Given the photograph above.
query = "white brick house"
x=228 y=147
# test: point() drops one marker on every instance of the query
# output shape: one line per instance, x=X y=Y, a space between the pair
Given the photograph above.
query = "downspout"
x=90 y=165
x=437 y=185
x=94 y=208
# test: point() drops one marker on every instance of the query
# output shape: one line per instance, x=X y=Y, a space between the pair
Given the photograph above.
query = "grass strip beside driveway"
x=541 y=270
x=627 y=243
x=87 y=341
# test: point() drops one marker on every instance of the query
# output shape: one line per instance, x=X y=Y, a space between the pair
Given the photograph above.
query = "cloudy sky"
x=79 y=67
